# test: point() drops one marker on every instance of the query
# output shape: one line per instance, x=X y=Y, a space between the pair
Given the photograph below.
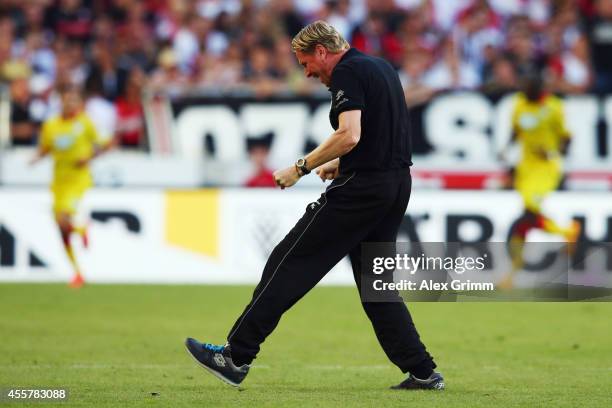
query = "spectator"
x=30 y=19
x=372 y=37
x=568 y=63
x=266 y=26
x=71 y=19
x=197 y=33
x=103 y=62
x=291 y=20
x=523 y=53
x=444 y=13
x=38 y=54
x=565 y=17
x=185 y=43
x=72 y=59
x=101 y=111
x=337 y=13
x=135 y=46
x=412 y=75
x=259 y=72
x=168 y=77
x=223 y=72
x=259 y=150
x=7 y=33
x=451 y=72
x=599 y=32
x=130 y=115
x=234 y=45
x=169 y=20
x=291 y=77
x=477 y=29
x=500 y=77
x=24 y=126
x=417 y=32
x=104 y=30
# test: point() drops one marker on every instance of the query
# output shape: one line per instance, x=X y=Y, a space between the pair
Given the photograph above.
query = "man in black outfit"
x=368 y=157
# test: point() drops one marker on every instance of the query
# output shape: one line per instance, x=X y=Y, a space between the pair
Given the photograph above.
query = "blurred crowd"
x=116 y=49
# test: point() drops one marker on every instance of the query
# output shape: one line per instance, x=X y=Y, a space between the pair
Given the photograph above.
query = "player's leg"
x=291 y=271
x=82 y=231
x=545 y=182
x=391 y=320
x=64 y=208
x=518 y=236
x=525 y=183
x=331 y=226
x=329 y=229
x=570 y=233
x=64 y=222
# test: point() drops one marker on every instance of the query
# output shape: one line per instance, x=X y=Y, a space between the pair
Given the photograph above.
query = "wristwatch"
x=300 y=165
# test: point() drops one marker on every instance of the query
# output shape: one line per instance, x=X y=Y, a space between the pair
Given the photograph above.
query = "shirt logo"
x=339 y=101
x=64 y=141
x=528 y=121
x=314 y=204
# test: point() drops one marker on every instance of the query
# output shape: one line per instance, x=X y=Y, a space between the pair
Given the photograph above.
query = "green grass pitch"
x=117 y=345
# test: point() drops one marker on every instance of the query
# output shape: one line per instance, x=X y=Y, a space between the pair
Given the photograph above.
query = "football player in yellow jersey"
x=72 y=141
x=539 y=127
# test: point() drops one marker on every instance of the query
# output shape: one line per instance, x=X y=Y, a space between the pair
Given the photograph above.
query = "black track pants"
x=355 y=208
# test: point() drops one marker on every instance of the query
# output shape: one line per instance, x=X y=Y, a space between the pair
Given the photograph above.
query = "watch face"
x=301 y=162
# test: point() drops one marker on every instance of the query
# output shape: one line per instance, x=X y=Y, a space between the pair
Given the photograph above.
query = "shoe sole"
x=419 y=389
x=210 y=370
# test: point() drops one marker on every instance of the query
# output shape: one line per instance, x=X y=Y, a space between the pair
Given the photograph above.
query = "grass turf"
x=123 y=346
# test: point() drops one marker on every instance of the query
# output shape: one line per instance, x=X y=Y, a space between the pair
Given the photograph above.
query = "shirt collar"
x=350 y=53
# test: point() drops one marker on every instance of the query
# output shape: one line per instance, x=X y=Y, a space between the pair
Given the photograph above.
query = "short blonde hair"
x=319 y=32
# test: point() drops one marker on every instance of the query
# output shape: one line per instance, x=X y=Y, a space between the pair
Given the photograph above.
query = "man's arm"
x=565 y=143
x=98 y=150
x=40 y=154
x=517 y=103
x=342 y=141
x=44 y=144
x=564 y=133
x=329 y=170
x=503 y=153
x=99 y=146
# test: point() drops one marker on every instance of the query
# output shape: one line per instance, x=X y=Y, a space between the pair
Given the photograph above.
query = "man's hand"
x=34 y=160
x=543 y=153
x=329 y=170
x=40 y=154
x=83 y=162
x=286 y=177
x=502 y=156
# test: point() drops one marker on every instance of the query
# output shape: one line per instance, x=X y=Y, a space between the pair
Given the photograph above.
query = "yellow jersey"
x=68 y=141
x=540 y=128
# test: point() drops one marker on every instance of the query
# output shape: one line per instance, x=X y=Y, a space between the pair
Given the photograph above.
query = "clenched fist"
x=286 y=177
x=329 y=170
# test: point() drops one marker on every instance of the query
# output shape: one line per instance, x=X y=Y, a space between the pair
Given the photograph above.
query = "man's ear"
x=320 y=51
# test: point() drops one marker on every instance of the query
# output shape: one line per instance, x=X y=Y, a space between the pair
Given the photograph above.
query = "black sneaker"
x=434 y=382
x=217 y=360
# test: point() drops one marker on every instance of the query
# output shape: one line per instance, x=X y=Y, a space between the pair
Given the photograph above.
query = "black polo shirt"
x=371 y=85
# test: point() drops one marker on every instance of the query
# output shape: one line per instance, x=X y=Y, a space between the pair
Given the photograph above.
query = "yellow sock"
x=516 y=253
x=72 y=258
x=553 y=227
x=80 y=229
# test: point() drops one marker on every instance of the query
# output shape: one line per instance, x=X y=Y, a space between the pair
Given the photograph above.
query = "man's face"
x=71 y=102
x=314 y=64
